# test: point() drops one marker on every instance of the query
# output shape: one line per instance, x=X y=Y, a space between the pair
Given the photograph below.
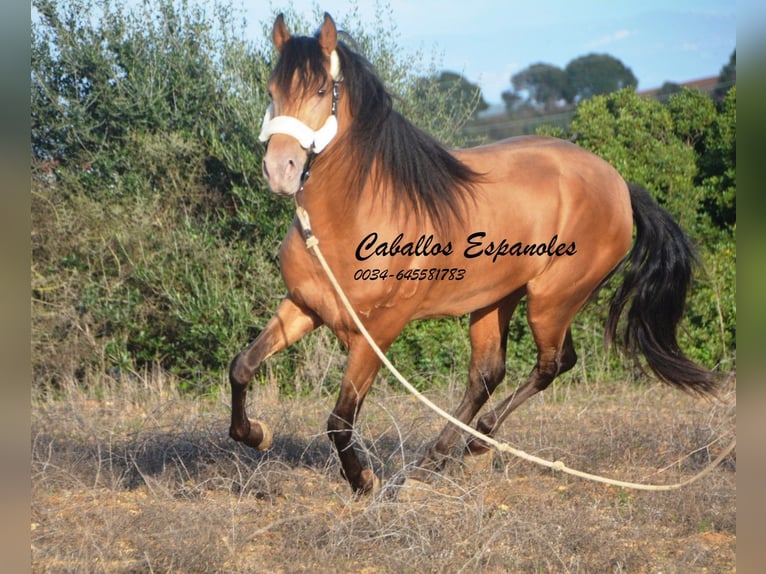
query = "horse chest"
x=310 y=287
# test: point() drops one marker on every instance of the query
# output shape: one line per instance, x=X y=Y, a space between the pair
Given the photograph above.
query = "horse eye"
x=322 y=91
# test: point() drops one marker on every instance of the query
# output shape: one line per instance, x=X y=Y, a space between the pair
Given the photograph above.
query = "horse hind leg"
x=553 y=299
x=286 y=326
x=554 y=357
x=489 y=340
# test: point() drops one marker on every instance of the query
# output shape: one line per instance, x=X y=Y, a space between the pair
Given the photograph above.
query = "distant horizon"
x=498 y=108
x=501 y=104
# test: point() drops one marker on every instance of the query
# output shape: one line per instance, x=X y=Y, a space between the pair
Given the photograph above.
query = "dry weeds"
x=137 y=478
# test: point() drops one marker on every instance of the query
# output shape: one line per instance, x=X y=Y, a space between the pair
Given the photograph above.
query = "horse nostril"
x=265 y=170
x=290 y=167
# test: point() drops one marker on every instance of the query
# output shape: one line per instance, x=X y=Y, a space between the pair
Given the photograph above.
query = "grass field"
x=133 y=477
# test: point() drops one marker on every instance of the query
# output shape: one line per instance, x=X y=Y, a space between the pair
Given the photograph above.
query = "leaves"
x=685 y=154
x=546 y=84
x=595 y=74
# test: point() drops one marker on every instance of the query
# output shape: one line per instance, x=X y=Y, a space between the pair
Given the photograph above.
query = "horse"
x=413 y=231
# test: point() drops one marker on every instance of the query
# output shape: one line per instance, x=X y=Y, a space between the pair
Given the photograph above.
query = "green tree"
x=545 y=84
x=512 y=100
x=94 y=90
x=548 y=86
x=727 y=77
x=637 y=136
x=668 y=89
x=711 y=128
x=595 y=74
x=457 y=88
x=684 y=152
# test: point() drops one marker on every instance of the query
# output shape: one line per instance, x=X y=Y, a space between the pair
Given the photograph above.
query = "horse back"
x=538 y=185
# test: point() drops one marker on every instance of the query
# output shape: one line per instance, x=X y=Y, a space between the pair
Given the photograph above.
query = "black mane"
x=420 y=169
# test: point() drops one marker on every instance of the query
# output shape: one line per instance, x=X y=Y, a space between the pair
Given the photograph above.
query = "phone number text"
x=431 y=274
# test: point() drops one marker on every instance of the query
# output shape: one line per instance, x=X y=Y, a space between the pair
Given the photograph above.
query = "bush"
x=684 y=153
x=154 y=235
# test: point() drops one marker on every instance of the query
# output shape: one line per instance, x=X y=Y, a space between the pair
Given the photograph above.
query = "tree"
x=710 y=127
x=727 y=77
x=684 y=153
x=546 y=84
x=460 y=92
x=637 y=136
x=667 y=90
x=595 y=74
x=127 y=93
x=512 y=100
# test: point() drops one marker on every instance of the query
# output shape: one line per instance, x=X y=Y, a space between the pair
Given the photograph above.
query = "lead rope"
x=312 y=244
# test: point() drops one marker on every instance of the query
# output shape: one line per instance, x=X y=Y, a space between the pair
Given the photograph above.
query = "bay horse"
x=415 y=231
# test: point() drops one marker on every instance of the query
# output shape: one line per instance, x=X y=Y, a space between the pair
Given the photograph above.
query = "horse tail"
x=657 y=275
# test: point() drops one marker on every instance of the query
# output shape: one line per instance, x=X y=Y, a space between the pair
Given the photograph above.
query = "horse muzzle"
x=283 y=167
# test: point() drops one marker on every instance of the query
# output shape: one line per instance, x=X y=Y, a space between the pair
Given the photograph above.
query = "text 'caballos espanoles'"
x=476 y=245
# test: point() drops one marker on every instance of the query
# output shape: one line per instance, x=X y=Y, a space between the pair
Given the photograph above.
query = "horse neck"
x=335 y=203
x=326 y=196
x=335 y=198
x=326 y=191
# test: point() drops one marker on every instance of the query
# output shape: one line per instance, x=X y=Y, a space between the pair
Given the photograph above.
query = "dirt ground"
x=143 y=480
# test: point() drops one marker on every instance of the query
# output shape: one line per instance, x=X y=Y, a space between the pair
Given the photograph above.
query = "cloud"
x=617 y=36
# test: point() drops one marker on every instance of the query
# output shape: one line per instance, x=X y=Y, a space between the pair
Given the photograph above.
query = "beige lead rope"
x=312 y=244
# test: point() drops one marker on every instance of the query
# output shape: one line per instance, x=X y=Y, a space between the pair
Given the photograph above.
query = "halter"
x=314 y=141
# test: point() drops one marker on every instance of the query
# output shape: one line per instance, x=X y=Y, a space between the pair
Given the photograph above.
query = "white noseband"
x=314 y=140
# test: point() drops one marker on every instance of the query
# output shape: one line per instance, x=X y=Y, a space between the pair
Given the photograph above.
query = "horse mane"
x=425 y=178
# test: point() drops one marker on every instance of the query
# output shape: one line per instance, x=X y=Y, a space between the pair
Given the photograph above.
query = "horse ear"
x=328 y=35
x=281 y=34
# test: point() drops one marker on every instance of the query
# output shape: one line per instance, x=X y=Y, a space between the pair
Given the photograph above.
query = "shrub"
x=684 y=154
x=154 y=236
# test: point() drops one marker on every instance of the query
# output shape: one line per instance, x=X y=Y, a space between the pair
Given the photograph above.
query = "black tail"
x=658 y=272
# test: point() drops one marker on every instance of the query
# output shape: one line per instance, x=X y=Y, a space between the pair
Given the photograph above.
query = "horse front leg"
x=287 y=325
x=361 y=368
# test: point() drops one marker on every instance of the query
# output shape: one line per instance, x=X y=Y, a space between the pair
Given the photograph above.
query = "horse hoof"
x=476 y=446
x=370 y=483
x=260 y=436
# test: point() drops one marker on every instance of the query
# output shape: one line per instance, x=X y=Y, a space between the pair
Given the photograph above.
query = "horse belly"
x=481 y=283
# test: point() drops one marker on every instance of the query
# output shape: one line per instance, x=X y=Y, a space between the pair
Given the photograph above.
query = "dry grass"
x=136 y=478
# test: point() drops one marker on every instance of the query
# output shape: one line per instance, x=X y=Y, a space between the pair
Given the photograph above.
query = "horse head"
x=301 y=118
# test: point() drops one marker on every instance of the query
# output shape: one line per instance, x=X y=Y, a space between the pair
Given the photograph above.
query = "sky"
x=488 y=41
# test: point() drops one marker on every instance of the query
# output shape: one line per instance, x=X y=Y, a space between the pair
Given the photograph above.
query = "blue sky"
x=490 y=40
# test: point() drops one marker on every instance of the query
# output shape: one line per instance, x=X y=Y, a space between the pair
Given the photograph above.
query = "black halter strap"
x=311 y=154
x=307 y=168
